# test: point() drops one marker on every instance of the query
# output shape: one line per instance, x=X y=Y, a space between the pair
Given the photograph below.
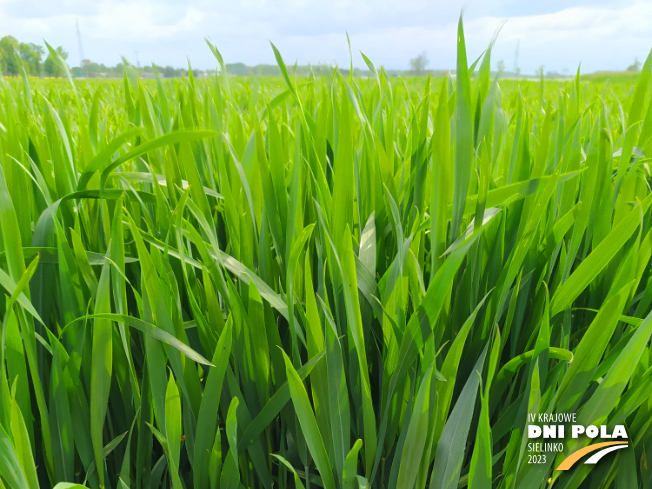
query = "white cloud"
x=598 y=37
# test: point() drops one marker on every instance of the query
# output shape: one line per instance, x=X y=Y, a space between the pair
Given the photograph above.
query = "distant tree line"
x=15 y=56
x=91 y=69
x=36 y=60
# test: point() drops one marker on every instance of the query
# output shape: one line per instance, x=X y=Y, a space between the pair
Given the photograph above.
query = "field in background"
x=322 y=281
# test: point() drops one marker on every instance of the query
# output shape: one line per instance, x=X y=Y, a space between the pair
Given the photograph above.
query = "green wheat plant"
x=322 y=282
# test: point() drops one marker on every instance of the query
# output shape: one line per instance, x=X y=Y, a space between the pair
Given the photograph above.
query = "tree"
x=31 y=54
x=52 y=67
x=636 y=66
x=418 y=64
x=168 y=71
x=9 y=60
x=93 y=69
x=501 y=65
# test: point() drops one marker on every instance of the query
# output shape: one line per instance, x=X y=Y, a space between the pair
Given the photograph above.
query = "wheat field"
x=322 y=282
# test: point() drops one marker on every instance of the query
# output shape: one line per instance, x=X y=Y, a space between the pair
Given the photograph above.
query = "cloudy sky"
x=558 y=34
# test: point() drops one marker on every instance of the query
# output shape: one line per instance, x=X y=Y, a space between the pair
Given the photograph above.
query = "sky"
x=558 y=34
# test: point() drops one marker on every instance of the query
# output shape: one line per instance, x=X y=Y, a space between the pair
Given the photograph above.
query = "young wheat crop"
x=323 y=282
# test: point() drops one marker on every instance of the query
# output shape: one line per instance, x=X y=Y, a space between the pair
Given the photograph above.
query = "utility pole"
x=81 y=47
x=516 y=69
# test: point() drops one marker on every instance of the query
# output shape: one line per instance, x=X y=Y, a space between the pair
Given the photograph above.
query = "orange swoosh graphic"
x=575 y=456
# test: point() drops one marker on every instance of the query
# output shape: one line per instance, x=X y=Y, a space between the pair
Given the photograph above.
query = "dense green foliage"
x=322 y=281
x=16 y=57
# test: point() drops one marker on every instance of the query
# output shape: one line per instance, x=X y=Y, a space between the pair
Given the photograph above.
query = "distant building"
x=148 y=76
